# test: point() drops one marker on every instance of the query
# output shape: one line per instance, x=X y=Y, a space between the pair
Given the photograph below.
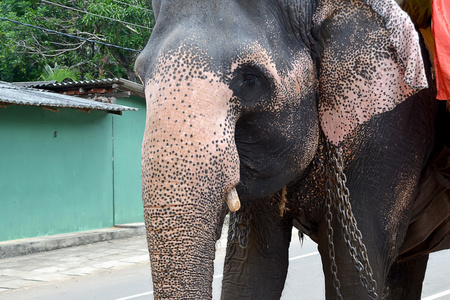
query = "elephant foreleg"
x=405 y=279
x=259 y=270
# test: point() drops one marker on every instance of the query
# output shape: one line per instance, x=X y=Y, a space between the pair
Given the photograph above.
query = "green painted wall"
x=128 y=133
x=49 y=184
x=87 y=177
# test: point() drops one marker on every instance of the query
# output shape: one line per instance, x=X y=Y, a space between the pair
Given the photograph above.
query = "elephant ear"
x=370 y=61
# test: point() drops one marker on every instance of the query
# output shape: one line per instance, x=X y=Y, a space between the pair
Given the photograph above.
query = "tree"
x=25 y=52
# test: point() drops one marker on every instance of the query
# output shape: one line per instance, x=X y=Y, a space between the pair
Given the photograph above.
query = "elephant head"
x=236 y=92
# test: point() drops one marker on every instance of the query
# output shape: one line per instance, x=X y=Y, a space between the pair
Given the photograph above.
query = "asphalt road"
x=305 y=280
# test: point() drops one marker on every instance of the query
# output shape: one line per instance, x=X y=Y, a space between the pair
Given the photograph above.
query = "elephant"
x=276 y=111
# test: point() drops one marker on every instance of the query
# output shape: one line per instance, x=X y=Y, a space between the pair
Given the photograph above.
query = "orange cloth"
x=440 y=24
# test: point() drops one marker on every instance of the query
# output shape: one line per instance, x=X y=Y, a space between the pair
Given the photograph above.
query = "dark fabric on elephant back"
x=429 y=230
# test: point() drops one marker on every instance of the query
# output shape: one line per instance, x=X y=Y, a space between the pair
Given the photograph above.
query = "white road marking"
x=136 y=296
x=438 y=295
x=305 y=255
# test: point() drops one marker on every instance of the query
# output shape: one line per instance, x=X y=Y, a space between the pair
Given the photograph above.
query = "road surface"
x=305 y=280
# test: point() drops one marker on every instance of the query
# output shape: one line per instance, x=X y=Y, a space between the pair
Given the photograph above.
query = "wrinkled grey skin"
x=233 y=90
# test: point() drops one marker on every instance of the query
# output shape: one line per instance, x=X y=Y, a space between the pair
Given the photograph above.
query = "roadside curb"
x=52 y=242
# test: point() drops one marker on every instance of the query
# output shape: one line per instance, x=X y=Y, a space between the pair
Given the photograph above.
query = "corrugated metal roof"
x=119 y=83
x=34 y=83
x=12 y=94
x=70 y=84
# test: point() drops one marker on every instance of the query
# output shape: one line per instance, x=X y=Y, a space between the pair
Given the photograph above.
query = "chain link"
x=331 y=250
x=240 y=227
x=339 y=196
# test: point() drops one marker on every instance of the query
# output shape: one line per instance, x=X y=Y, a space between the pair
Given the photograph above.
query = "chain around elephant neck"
x=338 y=195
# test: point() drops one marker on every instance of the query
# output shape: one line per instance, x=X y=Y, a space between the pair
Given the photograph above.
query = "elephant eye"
x=250 y=79
x=251 y=85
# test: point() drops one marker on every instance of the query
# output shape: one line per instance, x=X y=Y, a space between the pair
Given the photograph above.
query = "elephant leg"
x=405 y=278
x=343 y=278
x=259 y=270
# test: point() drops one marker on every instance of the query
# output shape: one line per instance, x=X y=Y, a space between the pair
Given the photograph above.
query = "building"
x=69 y=163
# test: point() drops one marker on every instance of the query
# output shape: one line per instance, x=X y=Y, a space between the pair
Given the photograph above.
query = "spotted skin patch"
x=368 y=68
x=405 y=39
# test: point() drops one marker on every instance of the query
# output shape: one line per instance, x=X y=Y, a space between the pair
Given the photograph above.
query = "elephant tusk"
x=233 y=200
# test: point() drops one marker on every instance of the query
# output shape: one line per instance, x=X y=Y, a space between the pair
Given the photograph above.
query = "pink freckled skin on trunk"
x=189 y=163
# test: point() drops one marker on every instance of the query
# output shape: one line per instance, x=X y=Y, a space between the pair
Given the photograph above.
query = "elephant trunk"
x=190 y=166
x=181 y=247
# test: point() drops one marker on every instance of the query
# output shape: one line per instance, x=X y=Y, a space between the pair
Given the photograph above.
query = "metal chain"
x=339 y=195
x=240 y=228
x=331 y=250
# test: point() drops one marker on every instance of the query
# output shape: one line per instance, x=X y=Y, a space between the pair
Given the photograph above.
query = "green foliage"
x=58 y=73
x=25 y=51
